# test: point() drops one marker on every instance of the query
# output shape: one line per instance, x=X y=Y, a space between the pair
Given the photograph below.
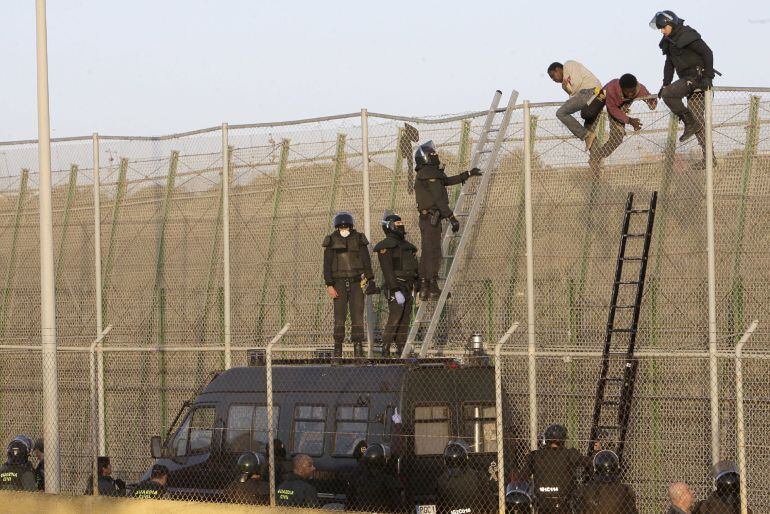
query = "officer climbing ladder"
x=466 y=213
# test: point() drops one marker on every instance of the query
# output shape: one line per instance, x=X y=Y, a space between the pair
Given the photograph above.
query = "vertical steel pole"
x=47 y=285
x=530 y=278
x=98 y=292
x=712 y=302
x=499 y=424
x=226 y=239
x=741 y=428
x=367 y=224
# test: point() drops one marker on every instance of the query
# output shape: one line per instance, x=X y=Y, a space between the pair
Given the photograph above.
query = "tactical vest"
x=404 y=257
x=685 y=60
x=428 y=185
x=347 y=254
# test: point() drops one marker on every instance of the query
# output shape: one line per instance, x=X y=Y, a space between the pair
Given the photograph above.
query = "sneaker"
x=590 y=138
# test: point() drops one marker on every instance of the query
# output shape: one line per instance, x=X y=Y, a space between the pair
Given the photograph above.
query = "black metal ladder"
x=615 y=387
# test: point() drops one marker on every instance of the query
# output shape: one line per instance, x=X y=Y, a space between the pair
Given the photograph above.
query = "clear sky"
x=148 y=67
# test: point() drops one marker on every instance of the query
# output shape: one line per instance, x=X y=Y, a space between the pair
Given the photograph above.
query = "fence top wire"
x=395 y=117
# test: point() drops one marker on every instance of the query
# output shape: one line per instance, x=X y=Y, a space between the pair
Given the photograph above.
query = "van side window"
x=201 y=430
x=178 y=445
x=479 y=427
x=351 y=426
x=431 y=429
x=308 y=429
x=247 y=427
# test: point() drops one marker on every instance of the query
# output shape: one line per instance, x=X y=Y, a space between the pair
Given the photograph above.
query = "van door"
x=190 y=450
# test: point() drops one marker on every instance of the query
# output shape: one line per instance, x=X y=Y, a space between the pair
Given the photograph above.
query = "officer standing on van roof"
x=348 y=276
x=17 y=473
x=250 y=486
x=398 y=261
x=433 y=204
x=605 y=494
x=374 y=489
x=554 y=469
x=460 y=487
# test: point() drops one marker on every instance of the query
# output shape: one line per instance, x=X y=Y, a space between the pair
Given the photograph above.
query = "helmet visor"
x=660 y=20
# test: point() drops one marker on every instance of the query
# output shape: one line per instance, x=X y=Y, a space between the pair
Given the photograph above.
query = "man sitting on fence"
x=617 y=95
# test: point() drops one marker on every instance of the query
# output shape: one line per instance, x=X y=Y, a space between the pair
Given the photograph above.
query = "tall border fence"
x=190 y=271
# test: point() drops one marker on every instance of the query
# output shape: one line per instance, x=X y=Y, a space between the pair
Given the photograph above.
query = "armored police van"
x=324 y=408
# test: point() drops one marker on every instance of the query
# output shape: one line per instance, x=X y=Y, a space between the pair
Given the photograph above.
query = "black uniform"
x=374 y=490
x=554 y=473
x=17 y=477
x=149 y=490
x=719 y=504
x=346 y=261
x=692 y=59
x=40 y=475
x=296 y=492
x=254 y=491
x=605 y=497
x=398 y=261
x=433 y=204
x=462 y=489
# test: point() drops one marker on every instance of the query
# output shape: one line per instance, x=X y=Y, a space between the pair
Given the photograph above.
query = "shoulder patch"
x=384 y=251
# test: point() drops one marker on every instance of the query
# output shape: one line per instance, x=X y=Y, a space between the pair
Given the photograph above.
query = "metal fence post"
x=712 y=309
x=530 y=279
x=367 y=223
x=499 y=425
x=94 y=398
x=740 y=443
x=98 y=293
x=50 y=375
x=269 y=404
x=226 y=240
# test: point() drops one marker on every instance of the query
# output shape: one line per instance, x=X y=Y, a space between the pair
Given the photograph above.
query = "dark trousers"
x=430 y=256
x=349 y=297
x=674 y=94
x=397 y=326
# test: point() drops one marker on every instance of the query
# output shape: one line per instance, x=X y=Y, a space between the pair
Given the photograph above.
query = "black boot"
x=337 y=349
x=358 y=349
x=424 y=289
x=435 y=291
x=691 y=126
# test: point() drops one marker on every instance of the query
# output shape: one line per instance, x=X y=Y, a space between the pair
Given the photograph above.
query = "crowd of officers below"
x=552 y=479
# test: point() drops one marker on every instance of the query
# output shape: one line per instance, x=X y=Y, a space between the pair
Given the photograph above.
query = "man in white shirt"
x=580 y=84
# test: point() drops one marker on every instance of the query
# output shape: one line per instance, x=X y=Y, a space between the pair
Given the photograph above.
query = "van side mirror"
x=156 y=449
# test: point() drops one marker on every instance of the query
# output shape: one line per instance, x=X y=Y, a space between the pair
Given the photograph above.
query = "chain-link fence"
x=184 y=300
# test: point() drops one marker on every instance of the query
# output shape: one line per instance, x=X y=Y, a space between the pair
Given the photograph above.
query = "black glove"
x=455 y=224
x=475 y=172
x=371 y=288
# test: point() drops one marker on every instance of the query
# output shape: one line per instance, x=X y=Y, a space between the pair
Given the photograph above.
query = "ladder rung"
x=626 y=330
x=634 y=258
x=625 y=306
x=462 y=214
x=618 y=354
x=485 y=151
x=638 y=211
x=612 y=379
x=634 y=235
x=627 y=282
x=494 y=130
x=610 y=402
x=608 y=427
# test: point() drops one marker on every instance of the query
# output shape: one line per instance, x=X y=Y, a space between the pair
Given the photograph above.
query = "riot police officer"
x=374 y=489
x=398 y=262
x=348 y=275
x=17 y=473
x=605 y=494
x=692 y=59
x=726 y=497
x=462 y=488
x=554 y=470
x=433 y=204
x=250 y=487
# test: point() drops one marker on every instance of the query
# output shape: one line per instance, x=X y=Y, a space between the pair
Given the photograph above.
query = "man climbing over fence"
x=580 y=84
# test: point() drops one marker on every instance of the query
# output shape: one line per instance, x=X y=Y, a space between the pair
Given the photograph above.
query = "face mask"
x=344 y=232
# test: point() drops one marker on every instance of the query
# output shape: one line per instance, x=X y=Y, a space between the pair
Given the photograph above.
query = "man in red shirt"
x=617 y=95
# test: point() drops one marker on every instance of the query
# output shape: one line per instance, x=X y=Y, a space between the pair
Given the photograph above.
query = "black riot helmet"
x=389 y=225
x=663 y=18
x=456 y=455
x=518 y=502
x=250 y=464
x=606 y=465
x=343 y=218
x=18 y=453
x=555 y=434
x=727 y=480
x=376 y=456
x=426 y=154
